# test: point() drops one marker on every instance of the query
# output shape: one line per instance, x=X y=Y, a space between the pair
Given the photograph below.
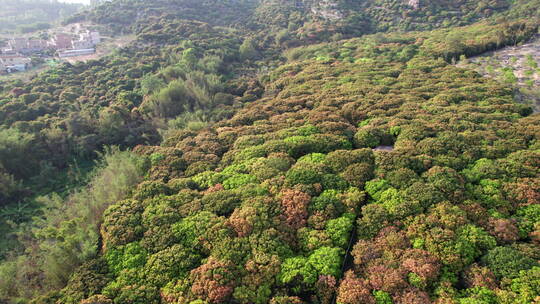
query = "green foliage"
x=302 y=176
x=366 y=139
x=529 y=216
x=382 y=297
x=323 y=261
x=473 y=241
x=238 y=180
x=172 y=263
x=247 y=50
x=129 y=256
x=325 y=199
x=190 y=230
x=375 y=188
x=327 y=261
x=479 y=295
x=507 y=262
x=297 y=269
x=302 y=145
x=253 y=193
x=151 y=83
x=312 y=158
x=67 y=234
x=221 y=202
x=527 y=285
x=374 y=217
x=339 y=230
x=15 y=146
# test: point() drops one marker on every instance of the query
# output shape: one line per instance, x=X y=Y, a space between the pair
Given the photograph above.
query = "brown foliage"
x=412 y=296
x=390 y=244
x=358 y=174
x=384 y=278
x=353 y=290
x=241 y=220
x=478 y=276
x=504 y=230
x=535 y=235
x=294 y=204
x=213 y=281
x=286 y=300
x=97 y=299
x=524 y=192
x=422 y=263
x=262 y=269
x=326 y=287
x=364 y=252
x=215 y=188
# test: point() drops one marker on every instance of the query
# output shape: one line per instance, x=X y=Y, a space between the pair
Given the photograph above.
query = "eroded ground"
x=518 y=66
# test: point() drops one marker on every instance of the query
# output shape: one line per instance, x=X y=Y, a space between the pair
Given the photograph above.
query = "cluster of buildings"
x=15 y=57
x=10 y=63
x=84 y=43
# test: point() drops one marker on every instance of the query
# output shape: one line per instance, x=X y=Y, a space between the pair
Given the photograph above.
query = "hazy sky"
x=76 y=1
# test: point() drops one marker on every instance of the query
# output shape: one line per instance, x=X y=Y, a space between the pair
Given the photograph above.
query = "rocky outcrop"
x=414 y=4
x=327 y=9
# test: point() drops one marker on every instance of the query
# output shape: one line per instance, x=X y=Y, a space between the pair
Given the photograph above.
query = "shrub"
x=129 y=256
x=339 y=230
x=220 y=202
x=86 y=281
x=122 y=223
x=193 y=231
x=340 y=159
x=358 y=174
x=302 y=145
x=238 y=180
x=327 y=261
x=149 y=189
x=325 y=199
x=366 y=139
x=297 y=270
x=302 y=176
x=506 y=262
x=295 y=207
x=169 y=264
x=312 y=158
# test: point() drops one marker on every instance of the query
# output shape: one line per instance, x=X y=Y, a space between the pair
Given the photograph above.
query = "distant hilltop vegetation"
x=25 y=16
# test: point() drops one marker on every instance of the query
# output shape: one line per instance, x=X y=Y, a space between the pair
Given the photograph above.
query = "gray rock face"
x=414 y=4
x=327 y=9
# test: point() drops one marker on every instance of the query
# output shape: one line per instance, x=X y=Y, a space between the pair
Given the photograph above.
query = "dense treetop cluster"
x=362 y=170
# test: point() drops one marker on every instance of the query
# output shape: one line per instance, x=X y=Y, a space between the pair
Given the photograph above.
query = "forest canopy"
x=275 y=152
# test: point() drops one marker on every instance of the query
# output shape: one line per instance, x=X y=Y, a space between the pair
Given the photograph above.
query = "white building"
x=73 y=53
x=87 y=40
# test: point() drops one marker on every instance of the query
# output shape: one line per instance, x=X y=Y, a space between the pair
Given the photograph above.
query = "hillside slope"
x=360 y=170
x=303 y=19
x=23 y=16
